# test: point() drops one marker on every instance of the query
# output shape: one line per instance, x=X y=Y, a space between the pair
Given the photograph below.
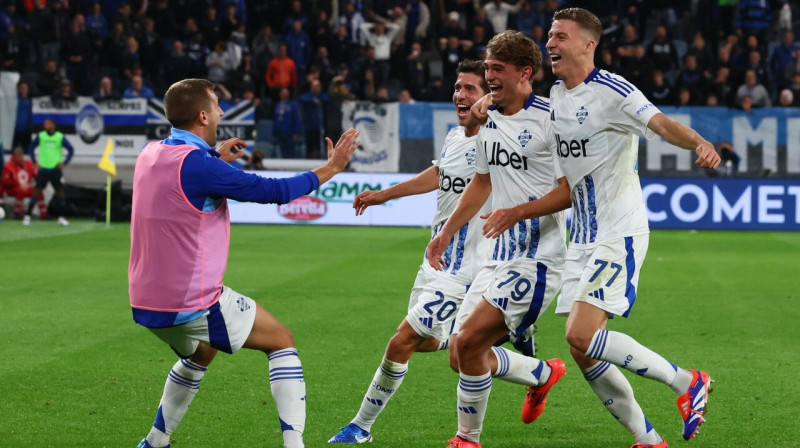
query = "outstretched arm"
x=684 y=137
x=471 y=201
x=423 y=182
x=500 y=220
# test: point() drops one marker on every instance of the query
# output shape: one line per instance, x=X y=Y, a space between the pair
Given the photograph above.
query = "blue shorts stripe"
x=592 y=210
x=217 y=330
x=630 y=268
x=536 y=302
x=462 y=238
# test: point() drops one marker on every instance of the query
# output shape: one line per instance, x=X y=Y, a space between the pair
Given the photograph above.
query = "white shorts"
x=433 y=304
x=479 y=286
x=605 y=276
x=225 y=326
x=521 y=289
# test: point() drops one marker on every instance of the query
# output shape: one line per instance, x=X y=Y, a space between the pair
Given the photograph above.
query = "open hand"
x=339 y=155
x=231 y=149
x=498 y=221
x=436 y=249
x=365 y=199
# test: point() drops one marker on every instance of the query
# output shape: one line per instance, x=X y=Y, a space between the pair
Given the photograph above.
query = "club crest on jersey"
x=470 y=155
x=581 y=114
x=524 y=137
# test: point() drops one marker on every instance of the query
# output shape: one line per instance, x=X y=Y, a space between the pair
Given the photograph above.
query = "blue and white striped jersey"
x=518 y=153
x=597 y=125
x=456 y=169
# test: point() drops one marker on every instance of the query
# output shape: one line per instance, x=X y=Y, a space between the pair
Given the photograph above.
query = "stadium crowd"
x=299 y=60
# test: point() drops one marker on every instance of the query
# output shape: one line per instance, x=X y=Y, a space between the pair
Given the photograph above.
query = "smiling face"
x=569 y=48
x=504 y=79
x=467 y=91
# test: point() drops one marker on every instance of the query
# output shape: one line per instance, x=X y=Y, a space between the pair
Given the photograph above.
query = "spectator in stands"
x=77 y=52
x=281 y=72
x=106 y=91
x=754 y=62
x=625 y=49
x=606 y=60
x=786 y=98
x=295 y=13
x=41 y=25
x=51 y=144
x=721 y=87
x=321 y=32
x=194 y=44
x=405 y=97
x=498 y=11
x=380 y=36
x=326 y=68
x=138 y=89
x=702 y=53
x=753 y=89
x=452 y=27
x=687 y=97
x=114 y=47
x=712 y=100
x=178 y=66
x=416 y=70
x=230 y=20
x=18 y=177
x=96 y=22
x=352 y=21
x=729 y=160
x=130 y=58
x=784 y=55
x=419 y=19
x=219 y=63
x=662 y=93
x=64 y=96
x=210 y=26
x=639 y=70
x=256 y=161
x=151 y=50
x=298 y=46
x=49 y=80
x=527 y=18
x=747 y=104
x=165 y=23
x=662 y=51
x=339 y=91
x=13 y=50
x=754 y=17
x=451 y=55
x=692 y=78
x=264 y=48
x=24 y=124
x=794 y=86
x=243 y=78
x=483 y=20
x=314 y=105
x=288 y=126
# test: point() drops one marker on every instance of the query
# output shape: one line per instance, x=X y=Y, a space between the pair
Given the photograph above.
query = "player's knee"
x=467 y=343
x=578 y=339
x=283 y=338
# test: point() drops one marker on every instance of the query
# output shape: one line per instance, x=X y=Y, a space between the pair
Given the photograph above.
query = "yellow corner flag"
x=107 y=163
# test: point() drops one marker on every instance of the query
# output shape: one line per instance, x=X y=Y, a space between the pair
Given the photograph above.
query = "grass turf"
x=76 y=371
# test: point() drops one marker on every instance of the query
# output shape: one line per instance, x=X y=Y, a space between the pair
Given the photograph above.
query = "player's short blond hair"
x=185 y=99
x=513 y=47
x=585 y=19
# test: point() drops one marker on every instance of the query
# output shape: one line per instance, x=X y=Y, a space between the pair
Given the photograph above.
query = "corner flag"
x=107 y=163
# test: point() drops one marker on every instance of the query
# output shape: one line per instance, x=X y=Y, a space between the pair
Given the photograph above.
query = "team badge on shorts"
x=581 y=114
x=243 y=305
x=524 y=137
x=470 y=155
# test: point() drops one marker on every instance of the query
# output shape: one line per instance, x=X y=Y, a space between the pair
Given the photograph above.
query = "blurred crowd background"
x=299 y=60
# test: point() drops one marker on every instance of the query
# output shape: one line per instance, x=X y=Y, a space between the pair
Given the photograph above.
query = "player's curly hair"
x=585 y=19
x=475 y=67
x=184 y=99
x=513 y=47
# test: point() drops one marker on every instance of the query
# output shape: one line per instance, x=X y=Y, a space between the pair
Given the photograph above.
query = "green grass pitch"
x=77 y=372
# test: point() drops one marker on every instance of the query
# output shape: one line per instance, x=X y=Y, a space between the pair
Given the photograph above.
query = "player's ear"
x=202 y=117
x=590 y=46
